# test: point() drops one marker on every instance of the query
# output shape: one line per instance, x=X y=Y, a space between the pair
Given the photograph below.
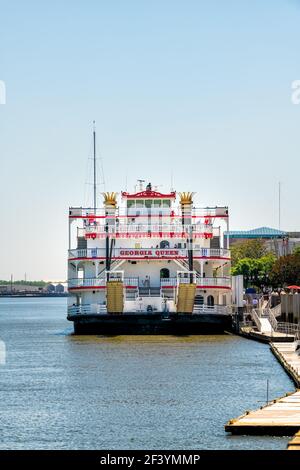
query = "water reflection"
x=63 y=391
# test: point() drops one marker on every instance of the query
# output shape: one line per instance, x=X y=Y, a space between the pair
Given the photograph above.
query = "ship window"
x=157 y=203
x=140 y=203
x=210 y=301
x=130 y=204
x=164 y=273
x=166 y=203
x=199 y=300
x=148 y=203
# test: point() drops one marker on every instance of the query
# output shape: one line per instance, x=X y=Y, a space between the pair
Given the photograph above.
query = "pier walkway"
x=281 y=416
x=266 y=327
x=294 y=443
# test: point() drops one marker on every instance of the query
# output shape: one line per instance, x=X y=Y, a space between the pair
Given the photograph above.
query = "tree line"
x=260 y=267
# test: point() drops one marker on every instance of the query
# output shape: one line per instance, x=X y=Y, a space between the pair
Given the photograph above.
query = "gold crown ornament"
x=186 y=198
x=110 y=199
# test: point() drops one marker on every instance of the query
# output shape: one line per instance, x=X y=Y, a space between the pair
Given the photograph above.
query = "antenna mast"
x=95 y=176
x=279 y=205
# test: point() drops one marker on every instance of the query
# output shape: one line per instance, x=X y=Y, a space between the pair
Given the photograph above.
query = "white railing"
x=133 y=211
x=87 y=309
x=276 y=311
x=289 y=329
x=170 y=281
x=119 y=229
x=219 y=309
x=86 y=282
x=200 y=281
x=292 y=329
x=101 y=309
x=212 y=252
x=168 y=252
x=214 y=281
x=272 y=320
x=99 y=282
x=256 y=319
x=131 y=281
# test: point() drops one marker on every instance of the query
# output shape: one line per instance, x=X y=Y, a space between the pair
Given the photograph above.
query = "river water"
x=60 y=391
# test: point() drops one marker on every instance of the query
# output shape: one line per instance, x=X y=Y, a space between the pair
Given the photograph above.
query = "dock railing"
x=213 y=309
x=256 y=319
x=289 y=329
x=86 y=309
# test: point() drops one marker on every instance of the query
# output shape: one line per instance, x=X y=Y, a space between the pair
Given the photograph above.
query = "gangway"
x=115 y=291
x=186 y=291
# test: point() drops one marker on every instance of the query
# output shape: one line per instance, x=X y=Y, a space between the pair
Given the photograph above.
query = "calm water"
x=58 y=391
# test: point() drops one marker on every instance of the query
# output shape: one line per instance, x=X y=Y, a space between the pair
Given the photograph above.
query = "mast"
x=95 y=176
x=279 y=205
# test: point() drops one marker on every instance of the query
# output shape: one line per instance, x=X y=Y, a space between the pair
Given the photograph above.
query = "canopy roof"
x=261 y=232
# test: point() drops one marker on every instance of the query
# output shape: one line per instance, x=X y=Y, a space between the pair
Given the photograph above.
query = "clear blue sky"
x=202 y=88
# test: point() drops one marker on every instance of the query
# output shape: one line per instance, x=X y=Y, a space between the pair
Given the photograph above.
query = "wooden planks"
x=294 y=443
x=289 y=358
x=282 y=416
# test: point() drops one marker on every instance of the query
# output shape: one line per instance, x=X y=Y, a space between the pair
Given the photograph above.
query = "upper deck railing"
x=211 y=282
x=125 y=230
x=96 y=282
x=201 y=282
x=149 y=253
x=123 y=212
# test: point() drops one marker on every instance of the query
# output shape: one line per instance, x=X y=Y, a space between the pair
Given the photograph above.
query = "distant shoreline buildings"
x=58 y=289
x=279 y=242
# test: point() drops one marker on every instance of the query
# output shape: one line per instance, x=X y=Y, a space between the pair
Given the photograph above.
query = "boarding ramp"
x=115 y=292
x=186 y=291
x=262 y=321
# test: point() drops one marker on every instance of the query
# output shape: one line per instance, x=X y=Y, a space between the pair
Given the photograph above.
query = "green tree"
x=286 y=271
x=247 y=249
x=256 y=271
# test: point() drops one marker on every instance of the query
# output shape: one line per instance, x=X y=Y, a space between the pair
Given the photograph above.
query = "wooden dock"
x=289 y=359
x=294 y=443
x=274 y=337
x=281 y=417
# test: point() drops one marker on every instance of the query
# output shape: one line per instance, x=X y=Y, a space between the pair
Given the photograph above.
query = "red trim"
x=147 y=258
x=213 y=287
x=179 y=216
x=97 y=287
x=134 y=287
x=149 y=235
x=87 y=287
x=149 y=194
x=200 y=287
